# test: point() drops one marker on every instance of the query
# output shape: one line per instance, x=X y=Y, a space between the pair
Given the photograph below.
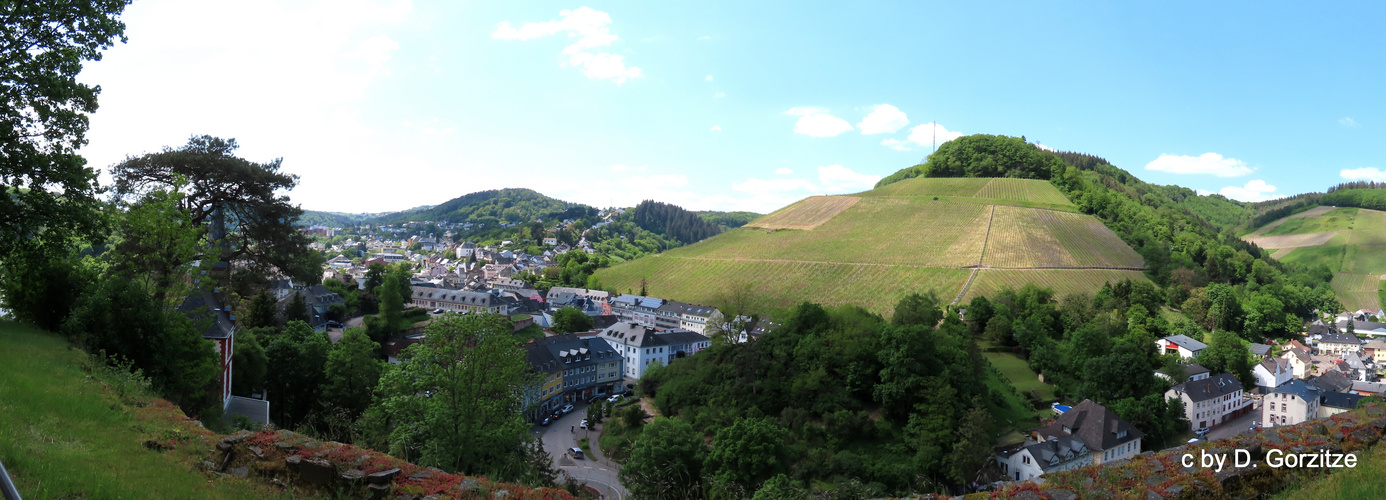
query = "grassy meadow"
x=68 y=430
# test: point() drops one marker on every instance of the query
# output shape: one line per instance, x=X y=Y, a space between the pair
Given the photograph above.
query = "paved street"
x=1237 y=426
x=593 y=470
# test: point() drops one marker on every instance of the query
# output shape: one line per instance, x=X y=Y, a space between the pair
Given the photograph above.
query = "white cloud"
x=1045 y=148
x=842 y=179
x=815 y=122
x=716 y=128
x=604 y=66
x=1206 y=163
x=1203 y=192
x=591 y=29
x=704 y=37
x=885 y=119
x=707 y=78
x=718 y=95
x=620 y=168
x=1347 y=122
x=1364 y=174
x=931 y=133
x=783 y=171
x=896 y=144
x=1256 y=190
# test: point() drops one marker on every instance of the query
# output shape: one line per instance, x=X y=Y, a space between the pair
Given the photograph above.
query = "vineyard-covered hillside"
x=872 y=248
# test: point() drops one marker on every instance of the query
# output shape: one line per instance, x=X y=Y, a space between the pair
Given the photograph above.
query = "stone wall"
x=295 y=462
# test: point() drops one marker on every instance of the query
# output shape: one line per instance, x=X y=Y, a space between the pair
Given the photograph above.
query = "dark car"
x=546 y=421
x=333 y=324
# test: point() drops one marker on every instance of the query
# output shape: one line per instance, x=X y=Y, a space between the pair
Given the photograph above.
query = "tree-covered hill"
x=671 y=221
x=495 y=206
x=983 y=155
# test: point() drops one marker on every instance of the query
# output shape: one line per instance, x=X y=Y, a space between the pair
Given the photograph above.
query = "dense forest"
x=671 y=221
x=983 y=155
x=1373 y=198
x=729 y=220
x=842 y=397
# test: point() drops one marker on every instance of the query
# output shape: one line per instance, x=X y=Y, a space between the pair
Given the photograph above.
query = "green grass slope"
x=872 y=248
x=1349 y=241
x=66 y=433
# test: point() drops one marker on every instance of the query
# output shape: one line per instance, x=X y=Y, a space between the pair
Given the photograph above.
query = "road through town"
x=594 y=470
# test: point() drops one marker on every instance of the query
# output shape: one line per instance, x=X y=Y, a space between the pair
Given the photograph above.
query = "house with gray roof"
x=642 y=345
x=455 y=300
x=636 y=308
x=1333 y=403
x=1339 y=343
x=1211 y=401
x=1030 y=460
x=1106 y=435
x=1185 y=346
x=1294 y=402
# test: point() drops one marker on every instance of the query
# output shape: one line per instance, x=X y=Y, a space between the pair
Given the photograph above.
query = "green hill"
x=874 y=247
x=1349 y=241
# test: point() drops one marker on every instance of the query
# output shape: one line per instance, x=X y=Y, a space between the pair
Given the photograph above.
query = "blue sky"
x=386 y=105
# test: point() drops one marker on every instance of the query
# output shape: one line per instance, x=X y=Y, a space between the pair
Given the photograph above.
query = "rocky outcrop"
x=293 y=461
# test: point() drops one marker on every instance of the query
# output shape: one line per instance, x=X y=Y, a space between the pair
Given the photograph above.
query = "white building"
x=1273 y=372
x=1087 y=434
x=1187 y=348
x=1211 y=401
x=1292 y=403
x=642 y=345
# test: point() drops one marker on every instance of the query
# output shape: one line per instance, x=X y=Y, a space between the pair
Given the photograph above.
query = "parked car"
x=566 y=409
x=333 y=324
x=575 y=453
x=438 y=311
x=1202 y=431
x=583 y=424
x=546 y=421
x=613 y=398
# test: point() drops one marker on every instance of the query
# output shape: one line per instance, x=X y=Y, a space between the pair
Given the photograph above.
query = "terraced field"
x=1023 y=238
x=1018 y=192
x=1349 y=241
x=1357 y=291
x=785 y=283
x=806 y=214
x=872 y=248
x=1063 y=281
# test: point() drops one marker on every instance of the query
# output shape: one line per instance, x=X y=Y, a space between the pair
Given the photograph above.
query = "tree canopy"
x=237 y=200
x=47 y=193
x=983 y=155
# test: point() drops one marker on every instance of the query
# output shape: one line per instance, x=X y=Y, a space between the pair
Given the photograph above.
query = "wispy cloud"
x=591 y=29
x=1364 y=174
x=1206 y=164
x=1256 y=190
x=932 y=133
x=884 y=119
x=716 y=128
x=816 y=122
x=896 y=144
x=1347 y=122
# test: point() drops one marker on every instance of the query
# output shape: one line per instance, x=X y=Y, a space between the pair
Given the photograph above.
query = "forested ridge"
x=671 y=221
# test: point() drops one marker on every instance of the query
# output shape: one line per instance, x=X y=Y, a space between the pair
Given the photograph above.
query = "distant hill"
x=492 y=207
x=955 y=236
x=1348 y=241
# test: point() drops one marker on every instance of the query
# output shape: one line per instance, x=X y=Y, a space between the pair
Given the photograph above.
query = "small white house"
x=1273 y=372
x=1187 y=347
